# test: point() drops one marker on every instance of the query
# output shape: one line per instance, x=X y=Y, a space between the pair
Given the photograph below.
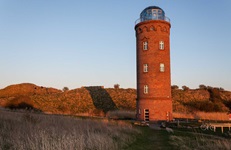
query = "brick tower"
x=154 y=102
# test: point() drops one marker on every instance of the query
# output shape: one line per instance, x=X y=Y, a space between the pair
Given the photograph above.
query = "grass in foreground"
x=186 y=139
x=20 y=130
x=183 y=140
x=151 y=139
x=49 y=132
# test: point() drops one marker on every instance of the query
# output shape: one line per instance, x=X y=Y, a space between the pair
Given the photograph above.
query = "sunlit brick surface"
x=158 y=99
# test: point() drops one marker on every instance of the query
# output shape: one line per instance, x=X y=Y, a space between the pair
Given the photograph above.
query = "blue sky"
x=74 y=43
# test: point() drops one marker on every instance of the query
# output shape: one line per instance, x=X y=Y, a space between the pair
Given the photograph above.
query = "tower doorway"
x=146 y=115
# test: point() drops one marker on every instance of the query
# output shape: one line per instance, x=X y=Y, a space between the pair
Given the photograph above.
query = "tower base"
x=154 y=110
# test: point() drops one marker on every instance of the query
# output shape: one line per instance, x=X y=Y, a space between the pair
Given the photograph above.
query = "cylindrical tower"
x=154 y=102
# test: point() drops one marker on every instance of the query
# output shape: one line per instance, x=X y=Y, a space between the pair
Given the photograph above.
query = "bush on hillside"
x=202 y=87
x=228 y=104
x=174 y=87
x=122 y=114
x=206 y=106
x=65 y=89
x=215 y=95
x=185 y=88
x=20 y=102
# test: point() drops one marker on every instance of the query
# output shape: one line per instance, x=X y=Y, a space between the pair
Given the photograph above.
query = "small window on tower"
x=145 y=67
x=161 y=67
x=161 y=45
x=145 y=45
x=145 y=89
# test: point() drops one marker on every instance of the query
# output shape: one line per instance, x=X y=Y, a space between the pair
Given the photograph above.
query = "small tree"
x=65 y=89
x=185 y=88
x=222 y=89
x=174 y=87
x=209 y=87
x=116 y=86
x=202 y=87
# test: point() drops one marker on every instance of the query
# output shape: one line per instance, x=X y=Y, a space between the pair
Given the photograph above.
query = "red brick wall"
x=159 y=109
x=158 y=100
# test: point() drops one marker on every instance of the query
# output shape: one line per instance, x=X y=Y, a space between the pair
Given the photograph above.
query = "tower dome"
x=152 y=13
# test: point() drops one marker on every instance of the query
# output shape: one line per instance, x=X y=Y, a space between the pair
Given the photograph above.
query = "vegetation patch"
x=183 y=140
x=20 y=130
x=122 y=115
x=151 y=139
x=100 y=101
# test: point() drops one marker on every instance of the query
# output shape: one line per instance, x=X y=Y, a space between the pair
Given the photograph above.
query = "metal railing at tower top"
x=153 y=18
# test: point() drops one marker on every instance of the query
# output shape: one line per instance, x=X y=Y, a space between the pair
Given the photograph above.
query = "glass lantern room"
x=152 y=13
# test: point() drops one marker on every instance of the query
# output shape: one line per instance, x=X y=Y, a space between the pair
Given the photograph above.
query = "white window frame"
x=162 y=68
x=161 y=45
x=145 y=45
x=145 y=89
x=145 y=67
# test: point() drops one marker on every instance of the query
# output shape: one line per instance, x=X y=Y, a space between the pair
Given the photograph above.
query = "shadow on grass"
x=101 y=99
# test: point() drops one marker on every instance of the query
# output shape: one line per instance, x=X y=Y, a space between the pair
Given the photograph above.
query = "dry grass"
x=200 y=142
x=49 y=132
x=202 y=115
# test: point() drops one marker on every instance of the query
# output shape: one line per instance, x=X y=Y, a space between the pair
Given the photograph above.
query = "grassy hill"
x=206 y=99
x=99 y=100
x=85 y=100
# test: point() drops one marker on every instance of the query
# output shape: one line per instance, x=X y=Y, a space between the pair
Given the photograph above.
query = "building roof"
x=152 y=7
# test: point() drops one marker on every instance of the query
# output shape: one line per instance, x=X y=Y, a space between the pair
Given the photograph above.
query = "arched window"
x=145 y=68
x=161 y=45
x=145 y=45
x=146 y=89
x=161 y=67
